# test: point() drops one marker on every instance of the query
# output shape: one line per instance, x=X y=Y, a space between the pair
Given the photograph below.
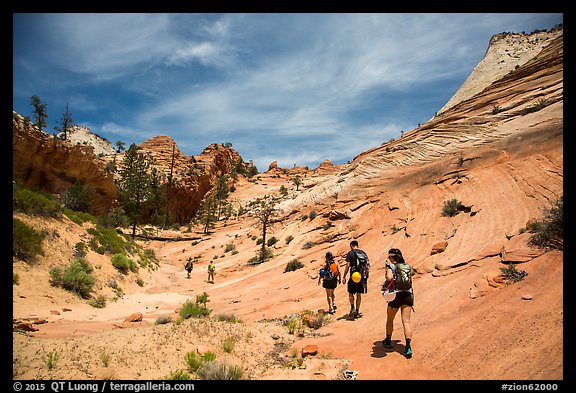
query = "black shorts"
x=402 y=298
x=357 y=287
x=330 y=284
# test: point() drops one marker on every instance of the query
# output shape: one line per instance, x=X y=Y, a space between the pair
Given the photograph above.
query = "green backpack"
x=403 y=277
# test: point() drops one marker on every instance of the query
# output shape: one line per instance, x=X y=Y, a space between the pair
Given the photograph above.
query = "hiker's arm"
x=345 y=272
x=389 y=274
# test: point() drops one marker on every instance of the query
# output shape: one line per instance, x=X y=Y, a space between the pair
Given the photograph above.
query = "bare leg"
x=390 y=314
x=406 y=311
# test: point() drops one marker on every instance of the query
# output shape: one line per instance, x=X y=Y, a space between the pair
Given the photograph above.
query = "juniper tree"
x=265 y=211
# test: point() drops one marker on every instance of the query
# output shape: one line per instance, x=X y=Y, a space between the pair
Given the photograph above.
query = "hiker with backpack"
x=330 y=276
x=399 y=273
x=359 y=266
x=189 y=266
x=211 y=272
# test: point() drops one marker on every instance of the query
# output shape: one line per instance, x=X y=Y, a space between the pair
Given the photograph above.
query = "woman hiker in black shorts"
x=404 y=301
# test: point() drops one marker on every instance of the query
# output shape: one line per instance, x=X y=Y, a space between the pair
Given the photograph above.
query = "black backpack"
x=362 y=263
x=403 y=277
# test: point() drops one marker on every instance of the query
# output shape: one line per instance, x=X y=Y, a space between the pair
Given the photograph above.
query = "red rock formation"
x=51 y=165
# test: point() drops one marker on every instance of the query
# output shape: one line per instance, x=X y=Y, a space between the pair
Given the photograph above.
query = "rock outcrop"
x=41 y=161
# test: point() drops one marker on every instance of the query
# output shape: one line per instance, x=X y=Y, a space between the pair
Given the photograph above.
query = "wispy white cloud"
x=328 y=85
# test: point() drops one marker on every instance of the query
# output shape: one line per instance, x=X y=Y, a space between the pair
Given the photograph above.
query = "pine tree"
x=40 y=112
x=135 y=185
x=65 y=123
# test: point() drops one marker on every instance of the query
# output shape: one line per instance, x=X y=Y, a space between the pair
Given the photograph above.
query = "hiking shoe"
x=387 y=344
x=358 y=314
x=352 y=312
x=408 y=353
x=331 y=311
x=335 y=307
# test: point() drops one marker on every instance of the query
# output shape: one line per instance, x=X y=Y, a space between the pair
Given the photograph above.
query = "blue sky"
x=294 y=88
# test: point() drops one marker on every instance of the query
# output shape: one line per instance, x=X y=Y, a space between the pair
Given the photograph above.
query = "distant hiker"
x=401 y=272
x=189 y=266
x=358 y=264
x=330 y=276
x=211 y=272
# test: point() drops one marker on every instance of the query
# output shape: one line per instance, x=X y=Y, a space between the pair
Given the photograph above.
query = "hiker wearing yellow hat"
x=358 y=264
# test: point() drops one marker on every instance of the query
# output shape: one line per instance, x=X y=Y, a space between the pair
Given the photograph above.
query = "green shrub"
x=273 y=240
x=197 y=308
x=549 y=232
x=123 y=263
x=308 y=244
x=108 y=239
x=289 y=239
x=76 y=278
x=98 y=301
x=451 y=208
x=294 y=264
x=178 y=375
x=229 y=343
x=193 y=359
x=511 y=274
x=34 y=203
x=26 y=242
x=78 y=217
x=220 y=370
x=15 y=279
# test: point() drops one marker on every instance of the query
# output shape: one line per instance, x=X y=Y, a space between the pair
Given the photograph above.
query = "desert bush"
x=78 y=217
x=451 y=208
x=270 y=242
x=76 y=278
x=220 y=370
x=540 y=104
x=295 y=325
x=51 y=359
x=105 y=358
x=123 y=263
x=178 y=375
x=194 y=360
x=511 y=274
x=34 y=203
x=109 y=239
x=229 y=343
x=116 y=218
x=98 y=301
x=289 y=239
x=15 y=279
x=26 y=242
x=197 y=308
x=308 y=244
x=148 y=259
x=294 y=264
x=548 y=231
x=227 y=317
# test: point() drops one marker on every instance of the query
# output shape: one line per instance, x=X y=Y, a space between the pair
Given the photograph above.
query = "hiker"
x=330 y=280
x=211 y=272
x=356 y=262
x=189 y=266
x=404 y=299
